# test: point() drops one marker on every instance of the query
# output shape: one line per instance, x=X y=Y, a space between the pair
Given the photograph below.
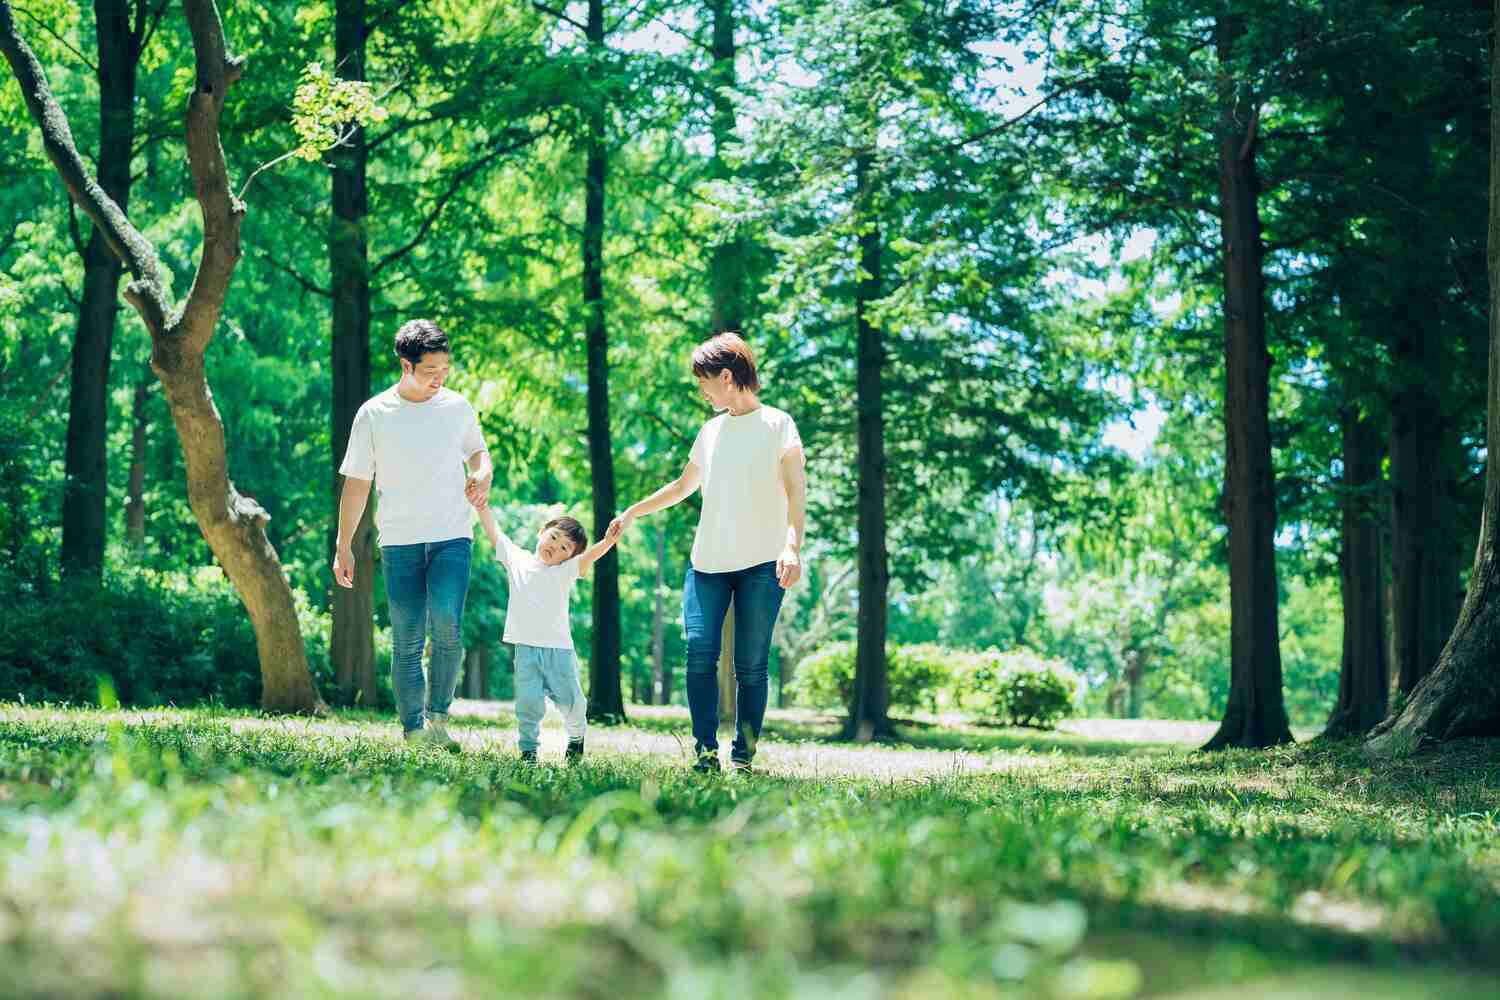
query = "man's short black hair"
x=418 y=337
x=570 y=527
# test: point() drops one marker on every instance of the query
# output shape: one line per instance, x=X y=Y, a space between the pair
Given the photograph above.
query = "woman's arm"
x=794 y=481
x=674 y=492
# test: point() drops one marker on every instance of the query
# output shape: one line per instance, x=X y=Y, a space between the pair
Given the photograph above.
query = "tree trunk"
x=869 y=711
x=726 y=261
x=660 y=682
x=135 y=496
x=477 y=671
x=1461 y=695
x=606 y=701
x=352 y=642
x=1256 y=713
x=87 y=472
x=233 y=525
x=728 y=690
x=1364 y=677
x=1423 y=575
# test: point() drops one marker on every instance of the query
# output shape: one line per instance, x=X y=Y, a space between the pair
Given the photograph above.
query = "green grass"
x=219 y=854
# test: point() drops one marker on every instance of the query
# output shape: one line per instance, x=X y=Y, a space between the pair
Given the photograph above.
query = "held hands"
x=619 y=526
x=788 y=568
x=343 y=566
x=477 y=490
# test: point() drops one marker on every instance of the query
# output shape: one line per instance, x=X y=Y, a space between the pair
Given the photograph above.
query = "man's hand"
x=619 y=526
x=788 y=568
x=343 y=566
x=477 y=489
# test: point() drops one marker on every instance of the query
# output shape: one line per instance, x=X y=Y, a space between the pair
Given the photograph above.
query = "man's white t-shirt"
x=415 y=452
x=745 y=517
x=537 y=614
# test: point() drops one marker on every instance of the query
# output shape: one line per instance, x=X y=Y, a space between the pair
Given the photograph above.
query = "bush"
x=1018 y=688
x=919 y=676
x=151 y=639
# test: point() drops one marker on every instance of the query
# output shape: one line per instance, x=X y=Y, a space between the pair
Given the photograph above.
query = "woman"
x=748 y=549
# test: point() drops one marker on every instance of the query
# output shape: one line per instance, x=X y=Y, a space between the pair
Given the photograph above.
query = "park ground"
x=206 y=853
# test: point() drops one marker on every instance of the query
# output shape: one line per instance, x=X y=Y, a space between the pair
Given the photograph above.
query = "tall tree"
x=1256 y=713
x=606 y=699
x=1364 y=677
x=352 y=645
x=232 y=523
x=123 y=28
x=1460 y=697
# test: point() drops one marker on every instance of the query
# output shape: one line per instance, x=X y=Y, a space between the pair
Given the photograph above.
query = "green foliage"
x=918 y=676
x=145 y=638
x=326 y=108
x=1018 y=688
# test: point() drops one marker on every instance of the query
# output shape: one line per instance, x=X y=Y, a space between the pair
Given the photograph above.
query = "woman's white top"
x=745 y=518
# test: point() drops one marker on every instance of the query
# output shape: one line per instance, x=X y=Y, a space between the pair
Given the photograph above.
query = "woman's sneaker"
x=707 y=762
x=528 y=756
x=574 y=753
x=428 y=736
x=437 y=728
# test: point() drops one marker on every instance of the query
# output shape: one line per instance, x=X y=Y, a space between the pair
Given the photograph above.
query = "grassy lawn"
x=172 y=853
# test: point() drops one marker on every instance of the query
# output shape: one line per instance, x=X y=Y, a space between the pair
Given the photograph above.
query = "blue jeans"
x=705 y=601
x=548 y=673
x=425 y=585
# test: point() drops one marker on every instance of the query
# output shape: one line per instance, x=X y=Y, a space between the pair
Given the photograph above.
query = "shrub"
x=151 y=639
x=1018 y=688
x=918 y=676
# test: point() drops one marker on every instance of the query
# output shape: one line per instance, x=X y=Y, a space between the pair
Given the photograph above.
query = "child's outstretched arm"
x=487 y=518
x=594 y=553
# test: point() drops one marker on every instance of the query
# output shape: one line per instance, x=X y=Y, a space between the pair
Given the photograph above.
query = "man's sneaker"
x=437 y=726
x=528 y=756
x=574 y=753
x=707 y=762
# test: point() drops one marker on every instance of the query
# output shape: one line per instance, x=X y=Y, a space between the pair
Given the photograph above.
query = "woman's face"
x=717 y=389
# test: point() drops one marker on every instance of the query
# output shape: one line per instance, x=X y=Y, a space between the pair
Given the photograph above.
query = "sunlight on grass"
x=219 y=853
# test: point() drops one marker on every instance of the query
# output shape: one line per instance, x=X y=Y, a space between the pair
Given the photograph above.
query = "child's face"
x=553 y=547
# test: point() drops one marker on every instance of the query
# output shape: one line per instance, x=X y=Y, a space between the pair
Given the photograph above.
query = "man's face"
x=554 y=547
x=428 y=374
x=717 y=389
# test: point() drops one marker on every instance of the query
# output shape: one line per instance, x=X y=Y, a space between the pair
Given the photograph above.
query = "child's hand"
x=617 y=527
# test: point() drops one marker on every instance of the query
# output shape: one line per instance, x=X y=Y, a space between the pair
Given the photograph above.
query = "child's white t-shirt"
x=538 y=611
x=415 y=452
x=745 y=517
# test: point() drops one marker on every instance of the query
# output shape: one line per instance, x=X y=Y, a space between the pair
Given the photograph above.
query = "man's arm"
x=352 y=500
x=481 y=475
x=794 y=481
x=674 y=492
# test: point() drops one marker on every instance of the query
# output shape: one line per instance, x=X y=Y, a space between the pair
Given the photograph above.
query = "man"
x=414 y=441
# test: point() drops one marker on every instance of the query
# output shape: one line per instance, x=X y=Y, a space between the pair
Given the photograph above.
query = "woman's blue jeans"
x=425 y=584
x=705 y=601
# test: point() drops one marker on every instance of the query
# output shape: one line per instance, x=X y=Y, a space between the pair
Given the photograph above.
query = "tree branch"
x=560 y=15
x=63 y=41
x=296 y=276
x=147 y=292
x=457 y=183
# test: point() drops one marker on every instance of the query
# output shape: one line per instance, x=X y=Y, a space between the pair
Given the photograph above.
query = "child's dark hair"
x=418 y=337
x=570 y=527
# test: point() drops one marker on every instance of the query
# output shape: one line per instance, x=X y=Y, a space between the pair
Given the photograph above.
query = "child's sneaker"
x=528 y=756
x=574 y=753
x=437 y=727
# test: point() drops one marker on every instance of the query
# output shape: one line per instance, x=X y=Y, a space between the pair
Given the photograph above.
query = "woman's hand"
x=619 y=526
x=788 y=568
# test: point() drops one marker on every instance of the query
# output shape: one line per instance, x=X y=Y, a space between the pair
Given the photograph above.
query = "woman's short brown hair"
x=727 y=350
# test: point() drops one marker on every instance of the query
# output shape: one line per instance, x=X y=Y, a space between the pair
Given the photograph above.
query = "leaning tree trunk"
x=1256 y=713
x=606 y=700
x=1461 y=696
x=86 y=469
x=352 y=643
x=233 y=525
x=1364 y=678
x=870 y=707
